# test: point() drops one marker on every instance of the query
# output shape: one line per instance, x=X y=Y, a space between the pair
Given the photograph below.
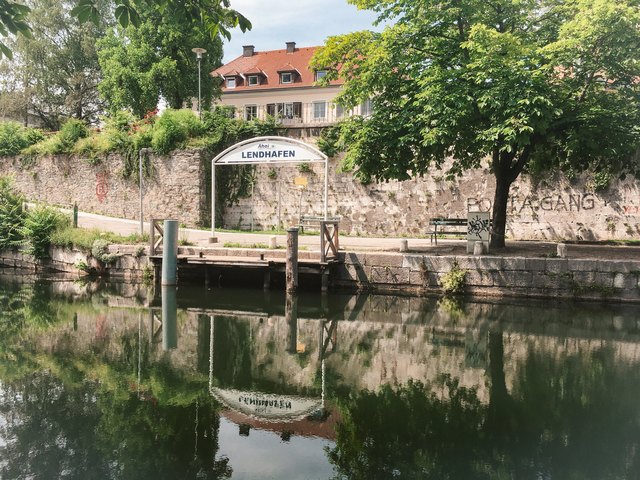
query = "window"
x=366 y=108
x=320 y=74
x=250 y=112
x=319 y=110
x=339 y=110
x=253 y=80
x=288 y=110
x=286 y=77
x=231 y=82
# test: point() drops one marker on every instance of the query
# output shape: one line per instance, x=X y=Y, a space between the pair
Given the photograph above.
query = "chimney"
x=247 y=50
x=291 y=47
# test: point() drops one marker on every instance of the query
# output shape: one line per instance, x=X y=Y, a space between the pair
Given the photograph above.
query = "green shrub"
x=14 y=138
x=454 y=280
x=72 y=131
x=173 y=128
x=100 y=251
x=11 y=214
x=39 y=225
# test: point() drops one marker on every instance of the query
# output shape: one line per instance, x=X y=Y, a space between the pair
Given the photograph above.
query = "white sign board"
x=269 y=150
x=478 y=228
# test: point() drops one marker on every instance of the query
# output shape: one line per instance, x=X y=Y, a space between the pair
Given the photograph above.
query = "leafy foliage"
x=155 y=59
x=530 y=86
x=173 y=128
x=39 y=224
x=11 y=214
x=55 y=72
x=14 y=138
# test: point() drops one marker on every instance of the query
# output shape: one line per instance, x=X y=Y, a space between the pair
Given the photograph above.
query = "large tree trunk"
x=499 y=214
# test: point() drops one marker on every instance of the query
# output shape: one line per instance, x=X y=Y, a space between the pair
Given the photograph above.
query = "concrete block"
x=515 y=263
x=383 y=259
x=394 y=275
x=415 y=263
x=512 y=279
x=582 y=265
x=536 y=264
x=479 y=278
x=557 y=265
x=439 y=264
x=625 y=281
x=354 y=258
x=618 y=266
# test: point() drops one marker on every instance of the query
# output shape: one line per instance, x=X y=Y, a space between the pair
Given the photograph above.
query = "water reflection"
x=94 y=383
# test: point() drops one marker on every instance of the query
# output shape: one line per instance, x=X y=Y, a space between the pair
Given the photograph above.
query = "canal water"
x=111 y=382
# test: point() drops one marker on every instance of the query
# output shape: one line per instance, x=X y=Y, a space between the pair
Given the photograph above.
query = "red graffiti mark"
x=631 y=209
x=102 y=187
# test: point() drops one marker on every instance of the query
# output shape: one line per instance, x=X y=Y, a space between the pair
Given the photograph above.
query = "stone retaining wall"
x=554 y=208
x=176 y=188
x=494 y=276
x=566 y=278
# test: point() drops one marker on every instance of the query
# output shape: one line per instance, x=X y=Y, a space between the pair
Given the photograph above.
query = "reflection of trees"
x=85 y=431
x=232 y=352
x=569 y=416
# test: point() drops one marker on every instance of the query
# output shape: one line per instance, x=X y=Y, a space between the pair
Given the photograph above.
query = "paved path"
x=418 y=245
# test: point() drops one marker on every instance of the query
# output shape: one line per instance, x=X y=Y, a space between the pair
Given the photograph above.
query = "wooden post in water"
x=291 y=317
x=292 y=260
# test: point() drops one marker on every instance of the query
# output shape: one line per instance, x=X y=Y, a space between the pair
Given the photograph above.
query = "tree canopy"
x=54 y=73
x=529 y=85
x=140 y=64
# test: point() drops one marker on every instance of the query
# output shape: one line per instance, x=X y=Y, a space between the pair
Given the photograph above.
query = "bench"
x=447 y=226
x=313 y=220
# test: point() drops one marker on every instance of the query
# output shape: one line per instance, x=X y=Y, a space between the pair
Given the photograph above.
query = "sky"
x=306 y=22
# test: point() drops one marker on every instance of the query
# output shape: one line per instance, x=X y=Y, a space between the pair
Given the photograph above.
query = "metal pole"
x=199 y=89
x=170 y=253
x=140 y=154
x=169 y=318
x=213 y=200
x=326 y=185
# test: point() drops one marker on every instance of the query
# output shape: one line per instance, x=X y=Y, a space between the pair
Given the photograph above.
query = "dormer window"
x=320 y=74
x=231 y=82
x=286 y=77
x=253 y=80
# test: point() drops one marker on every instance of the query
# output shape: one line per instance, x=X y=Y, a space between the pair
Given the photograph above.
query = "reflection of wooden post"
x=292 y=259
x=291 y=317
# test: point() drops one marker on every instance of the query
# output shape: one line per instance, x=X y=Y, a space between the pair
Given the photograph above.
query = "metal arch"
x=309 y=148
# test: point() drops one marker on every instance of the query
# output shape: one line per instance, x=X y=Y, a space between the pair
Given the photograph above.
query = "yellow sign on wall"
x=300 y=181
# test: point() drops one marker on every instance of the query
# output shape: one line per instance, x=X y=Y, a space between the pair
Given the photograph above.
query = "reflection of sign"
x=102 y=187
x=478 y=226
x=267 y=406
x=300 y=181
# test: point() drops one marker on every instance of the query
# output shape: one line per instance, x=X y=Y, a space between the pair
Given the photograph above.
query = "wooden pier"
x=212 y=263
x=210 y=267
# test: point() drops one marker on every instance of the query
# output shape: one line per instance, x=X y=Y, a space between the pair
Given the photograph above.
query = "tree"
x=55 y=72
x=216 y=15
x=140 y=64
x=529 y=85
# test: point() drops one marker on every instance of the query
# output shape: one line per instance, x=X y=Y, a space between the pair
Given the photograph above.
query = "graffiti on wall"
x=567 y=202
x=102 y=187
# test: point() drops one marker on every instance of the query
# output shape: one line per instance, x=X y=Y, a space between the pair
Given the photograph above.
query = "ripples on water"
x=108 y=382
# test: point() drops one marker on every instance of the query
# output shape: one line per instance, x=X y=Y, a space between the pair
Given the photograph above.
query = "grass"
x=84 y=238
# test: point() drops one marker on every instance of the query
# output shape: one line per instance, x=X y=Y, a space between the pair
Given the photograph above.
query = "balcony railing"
x=297 y=114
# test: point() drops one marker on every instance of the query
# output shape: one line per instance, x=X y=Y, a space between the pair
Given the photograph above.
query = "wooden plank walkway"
x=260 y=264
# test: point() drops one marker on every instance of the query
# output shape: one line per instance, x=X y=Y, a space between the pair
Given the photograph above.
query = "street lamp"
x=199 y=53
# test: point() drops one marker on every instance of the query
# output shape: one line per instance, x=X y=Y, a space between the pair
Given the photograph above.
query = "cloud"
x=306 y=22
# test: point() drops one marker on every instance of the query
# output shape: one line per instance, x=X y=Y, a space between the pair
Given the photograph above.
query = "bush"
x=11 y=214
x=173 y=128
x=39 y=225
x=14 y=138
x=72 y=131
x=453 y=281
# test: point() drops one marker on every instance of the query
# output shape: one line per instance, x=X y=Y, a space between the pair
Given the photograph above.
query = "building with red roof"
x=280 y=84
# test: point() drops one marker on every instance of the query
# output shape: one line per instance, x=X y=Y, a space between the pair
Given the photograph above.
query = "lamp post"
x=199 y=53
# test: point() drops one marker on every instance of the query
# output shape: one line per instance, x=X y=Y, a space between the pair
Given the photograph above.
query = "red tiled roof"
x=270 y=63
